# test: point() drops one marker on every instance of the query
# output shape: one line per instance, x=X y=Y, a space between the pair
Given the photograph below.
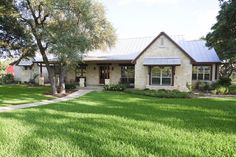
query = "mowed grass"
x=117 y=124
x=20 y=94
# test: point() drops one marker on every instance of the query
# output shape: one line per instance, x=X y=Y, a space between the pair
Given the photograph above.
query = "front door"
x=104 y=73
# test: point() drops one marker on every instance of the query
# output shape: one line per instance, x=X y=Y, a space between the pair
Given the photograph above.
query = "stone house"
x=159 y=63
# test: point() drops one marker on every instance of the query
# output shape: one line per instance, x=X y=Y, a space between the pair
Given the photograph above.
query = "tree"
x=64 y=28
x=223 y=36
x=77 y=28
x=13 y=37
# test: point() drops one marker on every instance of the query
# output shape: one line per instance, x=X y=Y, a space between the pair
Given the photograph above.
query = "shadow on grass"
x=190 y=114
x=19 y=94
x=117 y=124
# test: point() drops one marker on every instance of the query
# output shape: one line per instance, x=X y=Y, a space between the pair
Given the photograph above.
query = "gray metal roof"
x=129 y=49
x=162 y=61
x=26 y=62
x=124 y=49
x=198 y=50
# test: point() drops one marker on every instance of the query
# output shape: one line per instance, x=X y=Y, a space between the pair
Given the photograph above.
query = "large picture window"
x=161 y=76
x=202 y=73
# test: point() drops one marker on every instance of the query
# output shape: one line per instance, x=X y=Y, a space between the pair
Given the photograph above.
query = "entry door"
x=104 y=73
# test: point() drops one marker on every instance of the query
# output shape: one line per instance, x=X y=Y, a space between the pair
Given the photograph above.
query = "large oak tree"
x=65 y=28
x=223 y=36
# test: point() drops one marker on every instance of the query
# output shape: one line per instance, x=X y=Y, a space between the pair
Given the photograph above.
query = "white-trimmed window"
x=161 y=76
x=202 y=73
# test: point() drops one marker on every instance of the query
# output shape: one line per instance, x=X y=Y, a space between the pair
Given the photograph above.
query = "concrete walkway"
x=74 y=95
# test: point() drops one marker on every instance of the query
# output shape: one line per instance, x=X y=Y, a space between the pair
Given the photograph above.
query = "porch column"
x=215 y=72
x=149 y=75
x=173 y=75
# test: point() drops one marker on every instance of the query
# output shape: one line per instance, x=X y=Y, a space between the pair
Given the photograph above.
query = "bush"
x=203 y=86
x=223 y=81
x=8 y=78
x=113 y=87
x=232 y=90
x=222 y=90
x=162 y=93
x=70 y=86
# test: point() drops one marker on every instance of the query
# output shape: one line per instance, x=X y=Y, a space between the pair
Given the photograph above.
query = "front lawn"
x=20 y=94
x=118 y=124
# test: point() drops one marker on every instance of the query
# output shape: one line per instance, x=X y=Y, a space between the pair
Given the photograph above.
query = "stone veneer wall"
x=183 y=73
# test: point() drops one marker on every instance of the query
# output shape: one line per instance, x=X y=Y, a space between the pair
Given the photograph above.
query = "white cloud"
x=147 y=2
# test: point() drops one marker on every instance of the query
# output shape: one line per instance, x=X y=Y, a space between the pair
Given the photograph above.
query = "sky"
x=143 y=18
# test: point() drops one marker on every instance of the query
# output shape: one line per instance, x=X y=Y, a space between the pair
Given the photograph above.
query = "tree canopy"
x=13 y=37
x=66 y=29
x=223 y=36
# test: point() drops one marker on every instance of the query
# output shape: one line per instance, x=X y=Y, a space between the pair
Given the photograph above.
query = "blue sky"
x=138 y=18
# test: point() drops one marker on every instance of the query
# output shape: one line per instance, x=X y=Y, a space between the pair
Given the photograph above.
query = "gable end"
x=169 y=38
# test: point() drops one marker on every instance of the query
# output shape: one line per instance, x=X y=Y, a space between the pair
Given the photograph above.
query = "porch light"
x=94 y=68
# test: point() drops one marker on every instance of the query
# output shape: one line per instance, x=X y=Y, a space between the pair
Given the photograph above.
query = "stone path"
x=47 y=102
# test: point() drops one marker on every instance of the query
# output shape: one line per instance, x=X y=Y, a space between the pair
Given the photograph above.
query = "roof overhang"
x=107 y=61
x=162 y=61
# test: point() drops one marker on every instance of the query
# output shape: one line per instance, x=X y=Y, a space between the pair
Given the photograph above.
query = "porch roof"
x=162 y=61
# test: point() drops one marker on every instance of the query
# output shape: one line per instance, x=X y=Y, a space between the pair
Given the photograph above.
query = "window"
x=27 y=68
x=201 y=73
x=161 y=76
x=80 y=71
x=127 y=74
x=127 y=71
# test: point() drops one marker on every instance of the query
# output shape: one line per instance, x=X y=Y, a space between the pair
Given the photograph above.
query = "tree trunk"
x=51 y=72
x=35 y=25
x=62 y=79
x=51 y=76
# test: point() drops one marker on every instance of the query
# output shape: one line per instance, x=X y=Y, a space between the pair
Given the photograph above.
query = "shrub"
x=203 y=86
x=232 y=89
x=70 y=86
x=8 y=78
x=114 y=87
x=223 y=81
x=222 y=90
x=162 y=93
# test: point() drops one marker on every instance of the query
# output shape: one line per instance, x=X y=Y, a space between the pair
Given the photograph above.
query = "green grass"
x=117 y=124
x=20 y=94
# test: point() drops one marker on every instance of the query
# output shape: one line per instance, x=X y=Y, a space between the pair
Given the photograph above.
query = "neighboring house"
x=27 y=69
x=159 y=63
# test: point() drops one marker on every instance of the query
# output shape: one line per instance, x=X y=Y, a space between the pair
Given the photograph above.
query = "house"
x=159 y=63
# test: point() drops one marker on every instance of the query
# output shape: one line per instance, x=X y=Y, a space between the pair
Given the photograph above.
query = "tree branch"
x=32 y=12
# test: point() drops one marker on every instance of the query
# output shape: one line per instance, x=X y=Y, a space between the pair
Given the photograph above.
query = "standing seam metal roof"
x=129 y=49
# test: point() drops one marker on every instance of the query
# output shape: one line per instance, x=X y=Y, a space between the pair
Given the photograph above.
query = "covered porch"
x=104 y=73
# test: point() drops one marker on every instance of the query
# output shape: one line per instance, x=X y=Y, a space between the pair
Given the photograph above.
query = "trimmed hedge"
x=114 y=87
x=162 y=93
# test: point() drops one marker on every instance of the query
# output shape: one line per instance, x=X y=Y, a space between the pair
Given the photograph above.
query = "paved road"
x=47 y=102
